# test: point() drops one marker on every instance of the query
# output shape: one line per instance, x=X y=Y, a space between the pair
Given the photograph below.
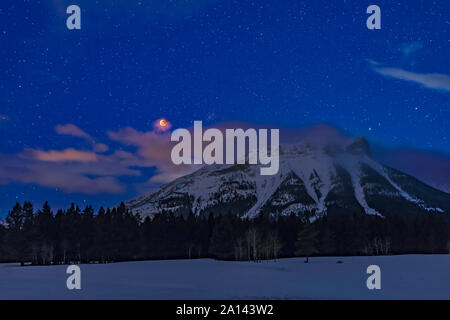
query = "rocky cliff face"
x=313 y=180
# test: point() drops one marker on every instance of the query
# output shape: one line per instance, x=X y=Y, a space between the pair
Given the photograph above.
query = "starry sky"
x=78 y=107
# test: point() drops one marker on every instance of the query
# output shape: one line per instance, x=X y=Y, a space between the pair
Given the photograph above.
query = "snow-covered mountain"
x=314 y=179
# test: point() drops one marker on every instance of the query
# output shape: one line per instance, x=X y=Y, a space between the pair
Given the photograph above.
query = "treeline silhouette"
x=43 y=237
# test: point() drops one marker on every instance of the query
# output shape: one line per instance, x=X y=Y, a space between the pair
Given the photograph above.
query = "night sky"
x=77 y=107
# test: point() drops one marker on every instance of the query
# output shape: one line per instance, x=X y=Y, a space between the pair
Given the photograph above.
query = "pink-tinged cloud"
x=3 y=117
x=74 y=170
x=100 y=147
x=152 y=150
x=72 y=130
x=152 y=147
x=69 y=177
x=67 y=155
x=94 y=172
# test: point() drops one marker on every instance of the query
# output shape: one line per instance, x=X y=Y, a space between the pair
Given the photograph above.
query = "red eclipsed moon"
x=162 y=125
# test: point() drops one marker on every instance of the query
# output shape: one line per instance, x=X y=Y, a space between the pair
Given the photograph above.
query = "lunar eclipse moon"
x=162 y=125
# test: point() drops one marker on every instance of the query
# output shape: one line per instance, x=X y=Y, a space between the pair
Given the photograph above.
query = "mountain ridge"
x=314 y=179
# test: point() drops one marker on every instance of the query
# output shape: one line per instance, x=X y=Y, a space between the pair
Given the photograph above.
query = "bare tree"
x=275 y=244
x=65 y=246
x=252 y=238
x=239 y=248
x=46 y=253
x=34 y=253
x=190 y=247
x=266 y=248
x=249 y=245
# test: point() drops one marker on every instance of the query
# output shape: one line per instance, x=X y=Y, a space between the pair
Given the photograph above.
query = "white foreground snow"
x=402 y=277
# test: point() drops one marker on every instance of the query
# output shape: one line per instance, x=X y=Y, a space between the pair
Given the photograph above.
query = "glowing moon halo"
x=162 y=125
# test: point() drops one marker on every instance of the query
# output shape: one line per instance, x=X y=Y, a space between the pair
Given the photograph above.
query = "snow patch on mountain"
x=381 y=170
x=307 y=174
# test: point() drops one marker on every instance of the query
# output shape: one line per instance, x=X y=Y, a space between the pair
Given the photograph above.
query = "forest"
x=74 y=235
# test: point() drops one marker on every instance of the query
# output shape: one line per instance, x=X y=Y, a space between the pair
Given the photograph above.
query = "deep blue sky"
x=283 y=63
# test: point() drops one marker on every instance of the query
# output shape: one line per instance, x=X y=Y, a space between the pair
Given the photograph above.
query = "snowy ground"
x=402 y=277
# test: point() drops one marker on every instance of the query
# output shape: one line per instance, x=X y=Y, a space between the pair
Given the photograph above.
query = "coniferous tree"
x=44 y=236
x=15 y=237
x=3 y=251
x=117 y=235
x=87 y=236
x=221 y=244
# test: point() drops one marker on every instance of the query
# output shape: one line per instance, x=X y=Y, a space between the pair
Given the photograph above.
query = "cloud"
x=429 y=80
x=61 y=156
x=373 y=62
x=71 y=169
x=409 y=48
x=72 y=130
x=100 y=147
x=153 y=149
x=93 y=172
x=102 y=177
x=151 y=146
x=90 y=171
x=3 y=117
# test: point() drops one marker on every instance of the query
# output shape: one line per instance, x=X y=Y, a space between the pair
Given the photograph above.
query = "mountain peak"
x=359 y=146
x=312 y=181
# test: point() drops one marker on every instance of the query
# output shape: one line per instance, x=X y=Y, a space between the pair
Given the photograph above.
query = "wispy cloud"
x=409 y=48
x=91 y=171
x=66 y=155
x=81 y=177
x=435 y=81
x=153 y=149
x=72 y=130
x=3 y=117
x=73 y=169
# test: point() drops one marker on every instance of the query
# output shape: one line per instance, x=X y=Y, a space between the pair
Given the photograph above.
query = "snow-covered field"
x=402 y=277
